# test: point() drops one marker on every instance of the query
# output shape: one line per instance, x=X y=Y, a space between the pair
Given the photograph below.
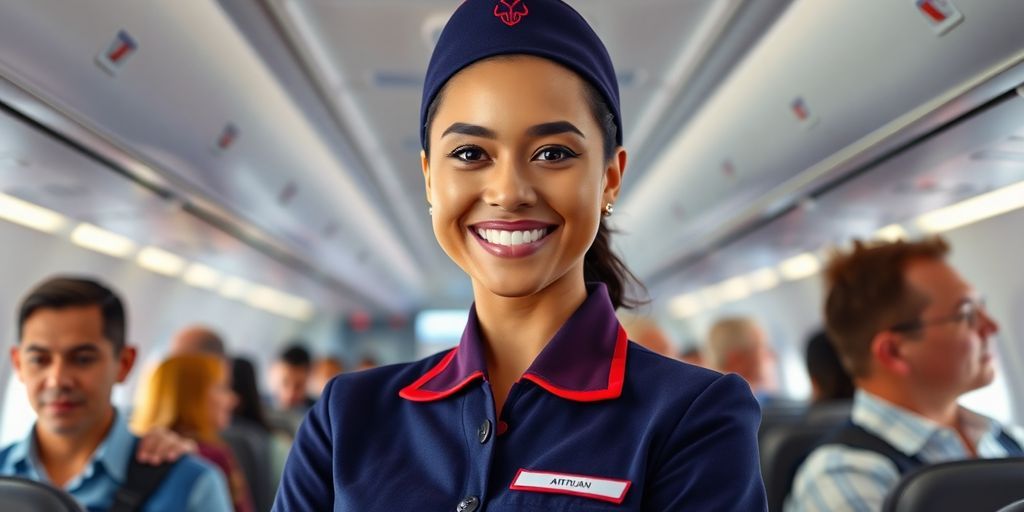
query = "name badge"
x=605 y=489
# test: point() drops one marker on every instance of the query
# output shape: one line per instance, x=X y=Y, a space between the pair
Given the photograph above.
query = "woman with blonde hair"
x=191 y=395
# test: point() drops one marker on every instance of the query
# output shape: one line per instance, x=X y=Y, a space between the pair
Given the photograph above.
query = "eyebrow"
x=84 y=347
x=554 y=128
x=470 y=129
x=540 y=130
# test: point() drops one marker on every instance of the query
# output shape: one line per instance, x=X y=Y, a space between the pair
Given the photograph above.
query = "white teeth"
x=510 y=238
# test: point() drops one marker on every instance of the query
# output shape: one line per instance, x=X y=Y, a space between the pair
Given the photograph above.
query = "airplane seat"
x=976 y=484
x=783 y=449
x=251 y=447
x=23 y=494
x=1017 y=506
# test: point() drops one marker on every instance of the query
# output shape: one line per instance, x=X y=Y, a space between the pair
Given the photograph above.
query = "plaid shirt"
x=836 y=478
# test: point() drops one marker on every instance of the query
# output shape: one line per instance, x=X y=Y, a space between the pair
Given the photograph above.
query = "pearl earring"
x=609 y=209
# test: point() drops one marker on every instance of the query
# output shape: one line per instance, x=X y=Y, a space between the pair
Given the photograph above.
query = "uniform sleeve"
x=308 y=479
x=840 y=479
x=710 y=461
x=209 y=493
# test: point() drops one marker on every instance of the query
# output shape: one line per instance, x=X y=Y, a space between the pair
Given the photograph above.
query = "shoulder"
x=191 y=484
x=836 y=477
x=188 y=473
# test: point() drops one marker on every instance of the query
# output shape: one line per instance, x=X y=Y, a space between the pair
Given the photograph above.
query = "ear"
x=887 y=354
x=16 y=361
x=425 y=163
x=126 y=362
x=613 y=175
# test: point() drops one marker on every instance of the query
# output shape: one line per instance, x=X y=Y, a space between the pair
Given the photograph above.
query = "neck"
x=939 y=409
x=516 y=329
x=65 y=455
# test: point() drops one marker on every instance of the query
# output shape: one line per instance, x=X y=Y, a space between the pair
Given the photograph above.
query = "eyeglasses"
x=969 y=311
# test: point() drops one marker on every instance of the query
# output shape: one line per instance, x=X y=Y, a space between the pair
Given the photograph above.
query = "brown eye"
x=468 y=154
x=554 y=154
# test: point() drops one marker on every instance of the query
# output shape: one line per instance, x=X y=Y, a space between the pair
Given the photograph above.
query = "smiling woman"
x=544 y=404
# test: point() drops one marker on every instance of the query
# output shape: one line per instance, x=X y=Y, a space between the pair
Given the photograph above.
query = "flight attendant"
x=544 y=405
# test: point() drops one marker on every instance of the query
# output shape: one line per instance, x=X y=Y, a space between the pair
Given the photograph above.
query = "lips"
x=512 y=239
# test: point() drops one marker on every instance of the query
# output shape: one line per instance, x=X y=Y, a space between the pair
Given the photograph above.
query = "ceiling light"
x=201 y=276
x=710 y=297
x=235 y=288
x=685 y=306
x=799 y=267
x=892 y=233
x=103 y=241
x=30 y=215
x=279 y=303
x=160 y=261
x=974 y=209
x=763 y=279
x=734 y=289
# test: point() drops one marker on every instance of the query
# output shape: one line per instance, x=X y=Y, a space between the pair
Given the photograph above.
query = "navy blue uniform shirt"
x=597 y=423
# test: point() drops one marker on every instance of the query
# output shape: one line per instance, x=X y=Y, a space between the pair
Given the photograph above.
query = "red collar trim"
x=616 y=377
x=416 y=393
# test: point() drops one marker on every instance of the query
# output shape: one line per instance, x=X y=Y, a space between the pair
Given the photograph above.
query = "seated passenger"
x=738 y=345
x=289 y=377
x=190 y=395
x=831 y=386
x=197 y=339
x=915 y=337
x=71 y=352
x=645 y=331
x=250 y=421
x=692 y=355
x=324 y=369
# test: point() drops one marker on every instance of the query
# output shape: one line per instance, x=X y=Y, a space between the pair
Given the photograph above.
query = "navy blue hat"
x=544 y=28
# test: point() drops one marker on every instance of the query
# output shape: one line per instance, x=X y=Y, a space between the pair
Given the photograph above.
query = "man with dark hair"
x=71 y=352
x=914 y=336
x=829 y=380
x=289 y=377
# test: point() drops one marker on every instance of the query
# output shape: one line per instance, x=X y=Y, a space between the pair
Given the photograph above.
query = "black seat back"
x=783 y=449
x=1017 y=506
x=981 y=485
x=23 y=494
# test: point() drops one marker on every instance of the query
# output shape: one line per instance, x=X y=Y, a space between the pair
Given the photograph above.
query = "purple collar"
x=585 y=361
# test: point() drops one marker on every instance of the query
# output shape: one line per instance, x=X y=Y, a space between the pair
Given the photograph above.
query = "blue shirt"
x=191 y=485
x=595 y=423
x=839 y=478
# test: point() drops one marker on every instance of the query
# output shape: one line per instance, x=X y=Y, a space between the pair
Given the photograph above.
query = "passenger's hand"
x=161 y=445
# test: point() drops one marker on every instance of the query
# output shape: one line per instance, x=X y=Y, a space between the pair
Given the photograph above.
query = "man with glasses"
x=915 y=337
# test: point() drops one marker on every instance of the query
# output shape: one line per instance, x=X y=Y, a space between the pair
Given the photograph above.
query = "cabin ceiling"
x=323 y=98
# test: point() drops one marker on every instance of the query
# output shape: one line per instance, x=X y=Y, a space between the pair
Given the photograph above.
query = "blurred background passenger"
x=646 y=331
x=190 y=395
x=367 y=362
x=197 y=339
x=831 y=386
x=261 y=449
x=738 y=345
x=324 y=369
x=692 y=355
x=289 y=377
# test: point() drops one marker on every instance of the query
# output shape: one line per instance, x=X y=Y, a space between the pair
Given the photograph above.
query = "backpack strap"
x=855 y=436
x=1013 y=448
x=141 y=482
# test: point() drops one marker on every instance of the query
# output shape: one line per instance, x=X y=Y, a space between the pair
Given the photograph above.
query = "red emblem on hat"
x=511 y=13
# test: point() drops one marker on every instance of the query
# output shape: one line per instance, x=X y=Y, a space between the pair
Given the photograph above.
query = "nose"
x=58 y=375
x=987 y=326
x=509 y=187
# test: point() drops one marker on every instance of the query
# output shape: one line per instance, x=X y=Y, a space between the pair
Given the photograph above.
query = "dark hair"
x=867 y=293
x=826 y=370
x=600 y=263
x=296 y=355
x=243 y=383
x=68 y=292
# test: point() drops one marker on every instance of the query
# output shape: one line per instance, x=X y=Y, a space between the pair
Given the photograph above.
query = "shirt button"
x=468 y=504
x=484 y=432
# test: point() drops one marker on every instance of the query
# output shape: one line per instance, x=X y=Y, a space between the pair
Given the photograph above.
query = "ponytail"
x=602 y=265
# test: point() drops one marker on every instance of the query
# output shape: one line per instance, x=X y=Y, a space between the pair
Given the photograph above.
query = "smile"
x=511 y=239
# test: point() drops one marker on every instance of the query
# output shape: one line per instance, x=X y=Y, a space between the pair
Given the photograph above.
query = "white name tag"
x=605 y=489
